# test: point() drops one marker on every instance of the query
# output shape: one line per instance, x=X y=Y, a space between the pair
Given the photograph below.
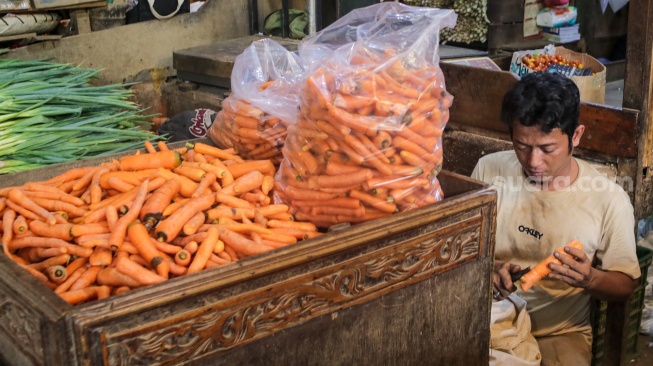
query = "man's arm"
x=578 y=272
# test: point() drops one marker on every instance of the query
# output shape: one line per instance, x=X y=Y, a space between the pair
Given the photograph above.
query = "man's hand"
x=503 y=285
x=576 y=269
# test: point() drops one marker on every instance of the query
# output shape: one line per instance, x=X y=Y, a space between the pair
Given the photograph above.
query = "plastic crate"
x=632 y=321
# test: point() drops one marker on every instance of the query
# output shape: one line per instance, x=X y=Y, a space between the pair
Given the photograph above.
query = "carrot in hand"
x=542 y=269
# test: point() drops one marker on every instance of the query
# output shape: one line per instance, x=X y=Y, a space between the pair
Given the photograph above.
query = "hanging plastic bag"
x=373 y=109
x=264 y=102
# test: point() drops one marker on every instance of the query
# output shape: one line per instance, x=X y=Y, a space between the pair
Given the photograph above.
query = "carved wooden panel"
x=225 y=313
x=242 y=319
x=22 y=327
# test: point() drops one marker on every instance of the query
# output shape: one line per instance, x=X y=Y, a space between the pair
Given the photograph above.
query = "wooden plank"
x=505 y=11
x=638 y=94
x=17 y=36
x=478 y=104
x=82 y=20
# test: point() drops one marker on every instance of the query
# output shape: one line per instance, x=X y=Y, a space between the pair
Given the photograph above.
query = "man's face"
x=544 y=156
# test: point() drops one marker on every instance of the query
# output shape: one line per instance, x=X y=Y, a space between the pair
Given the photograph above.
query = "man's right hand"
x=503 y=285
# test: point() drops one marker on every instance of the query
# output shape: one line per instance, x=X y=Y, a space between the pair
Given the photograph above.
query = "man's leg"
x=571 y=349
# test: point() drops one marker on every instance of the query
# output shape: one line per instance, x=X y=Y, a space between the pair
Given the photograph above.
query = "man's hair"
x=545 y=100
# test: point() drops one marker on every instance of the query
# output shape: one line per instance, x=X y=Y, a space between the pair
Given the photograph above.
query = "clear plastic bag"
x=264 y=101
x=374 y=105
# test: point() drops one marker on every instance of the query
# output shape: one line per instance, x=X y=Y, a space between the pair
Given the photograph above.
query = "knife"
x=516 y=276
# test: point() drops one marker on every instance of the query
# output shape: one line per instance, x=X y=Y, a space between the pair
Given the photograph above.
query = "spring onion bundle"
x=50 y=113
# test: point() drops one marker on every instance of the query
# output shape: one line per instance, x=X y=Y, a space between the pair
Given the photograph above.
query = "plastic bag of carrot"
x=265 y=100
x=374 y=107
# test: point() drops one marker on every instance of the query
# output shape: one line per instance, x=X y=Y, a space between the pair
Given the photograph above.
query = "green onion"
x=50 y=113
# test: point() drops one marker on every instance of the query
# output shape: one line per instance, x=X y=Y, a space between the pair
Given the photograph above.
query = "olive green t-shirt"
x=532 y=223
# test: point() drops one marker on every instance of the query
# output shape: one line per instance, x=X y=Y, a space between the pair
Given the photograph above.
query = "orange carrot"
x=170 y=227
x=134 y=178
x=152 y=210
x=208 y=167
x=306 y=194
x=149 y=147
x=101 y=257
x=19 y=198
x=297 y=233
x=121 y=290
x=56 y=274
x=137 y=272
x=19 y=226
x=111 y=214
x=346 y=202
x=195 y=174
x=140 y=238
x=374 y=201
x=204 y=250
x=76 y=264
x=184 y=240
x=542 y=269
x=86 y=279
x=162 y=159
x=112 y=277
x=78 y=296
x=20 y=210
x=187 y=187
x=342 y=180
x=38 y=242
x=241 y=244
x=162 y=146
x=202 y=148
x=194 y=223
x=119 y=184
x=165 y=248
x=231 y=201
x=204 y=184
x=192 y=246
x=69 y=175
x=245 y=183
x=56 y=196
x=236 y=213
x=120 y=229
x=73 y=276
x=183 y=257
x=307 y=226
x=240 y=169
x=85 y=180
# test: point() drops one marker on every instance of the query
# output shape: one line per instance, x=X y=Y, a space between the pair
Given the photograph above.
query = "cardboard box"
x=591 y=87
x=13 y=5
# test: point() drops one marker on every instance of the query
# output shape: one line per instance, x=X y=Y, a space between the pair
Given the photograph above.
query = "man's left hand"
x=576 y=269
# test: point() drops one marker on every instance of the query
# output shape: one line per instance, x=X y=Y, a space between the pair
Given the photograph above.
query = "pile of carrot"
x=96 y=231
x=369 y=142
x=250 y=131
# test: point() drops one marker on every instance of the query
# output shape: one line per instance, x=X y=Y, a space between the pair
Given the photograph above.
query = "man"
x=547 y=198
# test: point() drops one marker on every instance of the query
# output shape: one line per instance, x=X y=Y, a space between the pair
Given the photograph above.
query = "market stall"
x=264 y=283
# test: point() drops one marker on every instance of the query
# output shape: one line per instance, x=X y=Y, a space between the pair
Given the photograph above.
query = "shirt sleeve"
x=618 y=245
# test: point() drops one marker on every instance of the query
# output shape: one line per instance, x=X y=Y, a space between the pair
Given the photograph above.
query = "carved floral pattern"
x=22 y=326
x=314 y=294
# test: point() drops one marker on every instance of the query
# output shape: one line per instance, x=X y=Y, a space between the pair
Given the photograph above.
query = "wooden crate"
x=399 y=290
